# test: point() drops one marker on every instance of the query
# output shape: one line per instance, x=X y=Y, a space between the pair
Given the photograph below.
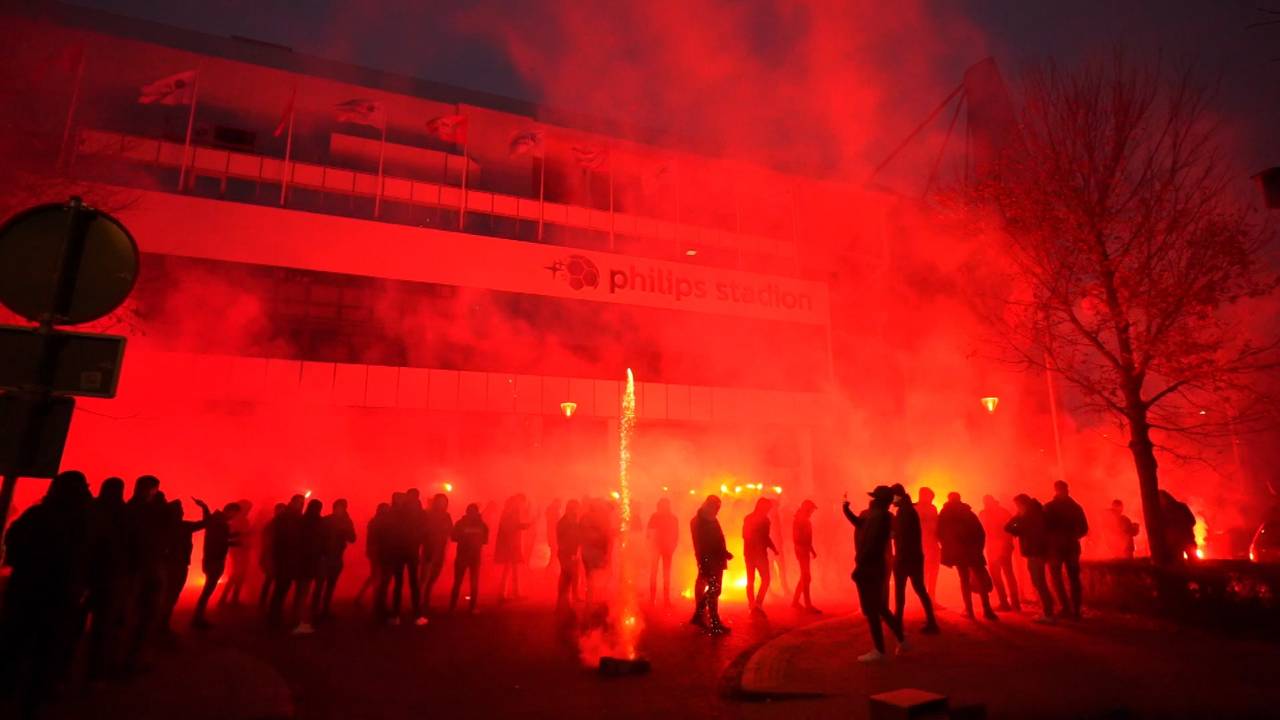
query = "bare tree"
x=1129 y=264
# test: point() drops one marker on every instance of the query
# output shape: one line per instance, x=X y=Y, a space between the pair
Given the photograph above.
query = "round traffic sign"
x=36 y=241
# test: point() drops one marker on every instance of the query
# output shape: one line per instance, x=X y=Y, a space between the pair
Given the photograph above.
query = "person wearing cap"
x=871 y=537
x=802 y=539
x=908 y=560
x=963 y=541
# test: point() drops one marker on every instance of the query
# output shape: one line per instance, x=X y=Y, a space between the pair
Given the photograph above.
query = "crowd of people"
x=109 y=571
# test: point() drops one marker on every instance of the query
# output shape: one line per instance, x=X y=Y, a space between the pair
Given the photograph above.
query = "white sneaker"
x=903 y=648
x=303 y=629
x=422 y=620
x=873 y=656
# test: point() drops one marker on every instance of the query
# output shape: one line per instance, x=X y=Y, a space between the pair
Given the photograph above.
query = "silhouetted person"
x=181 y=543
x=873 y=530
x=1118 y=532
x=963 y=542
x=779 y=558
x=109 y=582
x=374 y=537
x=712 y=557
x=1033 y=542
x=908 y=561
x=1179 y=527
x=568 y=534
x=1066 y=525
x=338 y=532
x=756 y=544
x=149 y=540
x=596 y=538
x=267 y=556
x=437 y=527
x=551 y=518
x=310 y=565
x=43 y=611
x=218 y=541
x=240 y=559
x=400 y=545
x=928 y=513
x=802 y=541
x=664 y=535
x=508 y=551
x=470 y=534
x=1000 y=553
x=286 y=551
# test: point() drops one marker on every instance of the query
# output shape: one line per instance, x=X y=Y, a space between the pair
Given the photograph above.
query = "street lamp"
x=568 y=408
x=990 y=403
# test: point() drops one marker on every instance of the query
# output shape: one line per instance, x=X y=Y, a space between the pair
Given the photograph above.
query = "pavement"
x=518 y=661
x=1105 y=666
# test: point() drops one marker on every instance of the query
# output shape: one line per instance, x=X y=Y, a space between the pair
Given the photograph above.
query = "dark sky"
x=428 y=39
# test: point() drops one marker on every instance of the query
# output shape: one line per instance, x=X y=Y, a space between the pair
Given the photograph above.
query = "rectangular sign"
x=85 y=364
x=218 y=230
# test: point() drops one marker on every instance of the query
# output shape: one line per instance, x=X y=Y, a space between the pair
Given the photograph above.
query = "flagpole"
x=613 y=221
x=542 y=190
x=71 y=111
x=466 y=167
x=382 y=153
x=191 y=123
x=286 y=173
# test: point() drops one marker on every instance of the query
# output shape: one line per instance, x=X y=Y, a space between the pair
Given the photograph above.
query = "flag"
x=449 y=128
x=528 y=142
x=361 y=111
x=174 y=90
x=591 y=157
x=286 y=115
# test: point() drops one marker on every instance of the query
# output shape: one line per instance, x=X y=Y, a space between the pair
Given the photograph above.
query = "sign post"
x=60 y=264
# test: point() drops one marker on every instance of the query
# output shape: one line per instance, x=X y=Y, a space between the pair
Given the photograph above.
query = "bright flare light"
x=448 y=487
x=307 y=494
x=990 y=403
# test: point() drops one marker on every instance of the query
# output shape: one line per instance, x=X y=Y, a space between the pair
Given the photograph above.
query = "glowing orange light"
x=693 y=492
x=448 y=487
x=664 y=488
x=568 y=408
x=687 y=593
x=724 y=488
x=307 y=494
x=990 y=403
x=1202 y=537
x=691 y=252
x=737 y=489
x=777 y=489
x=615 y=495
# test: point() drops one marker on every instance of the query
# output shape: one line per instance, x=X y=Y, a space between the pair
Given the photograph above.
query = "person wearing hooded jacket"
x=802 y=541
x=909 y=560
x=712 y=556
x=963 y=541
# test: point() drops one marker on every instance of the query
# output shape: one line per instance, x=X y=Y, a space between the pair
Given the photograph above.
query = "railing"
x=618 y=231
x=1231 y=595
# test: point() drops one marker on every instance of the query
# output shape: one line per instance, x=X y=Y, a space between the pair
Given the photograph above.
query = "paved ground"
x=1103 y=666
x=516 y=662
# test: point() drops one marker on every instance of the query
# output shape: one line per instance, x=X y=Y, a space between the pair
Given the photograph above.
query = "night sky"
x=444 y=40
